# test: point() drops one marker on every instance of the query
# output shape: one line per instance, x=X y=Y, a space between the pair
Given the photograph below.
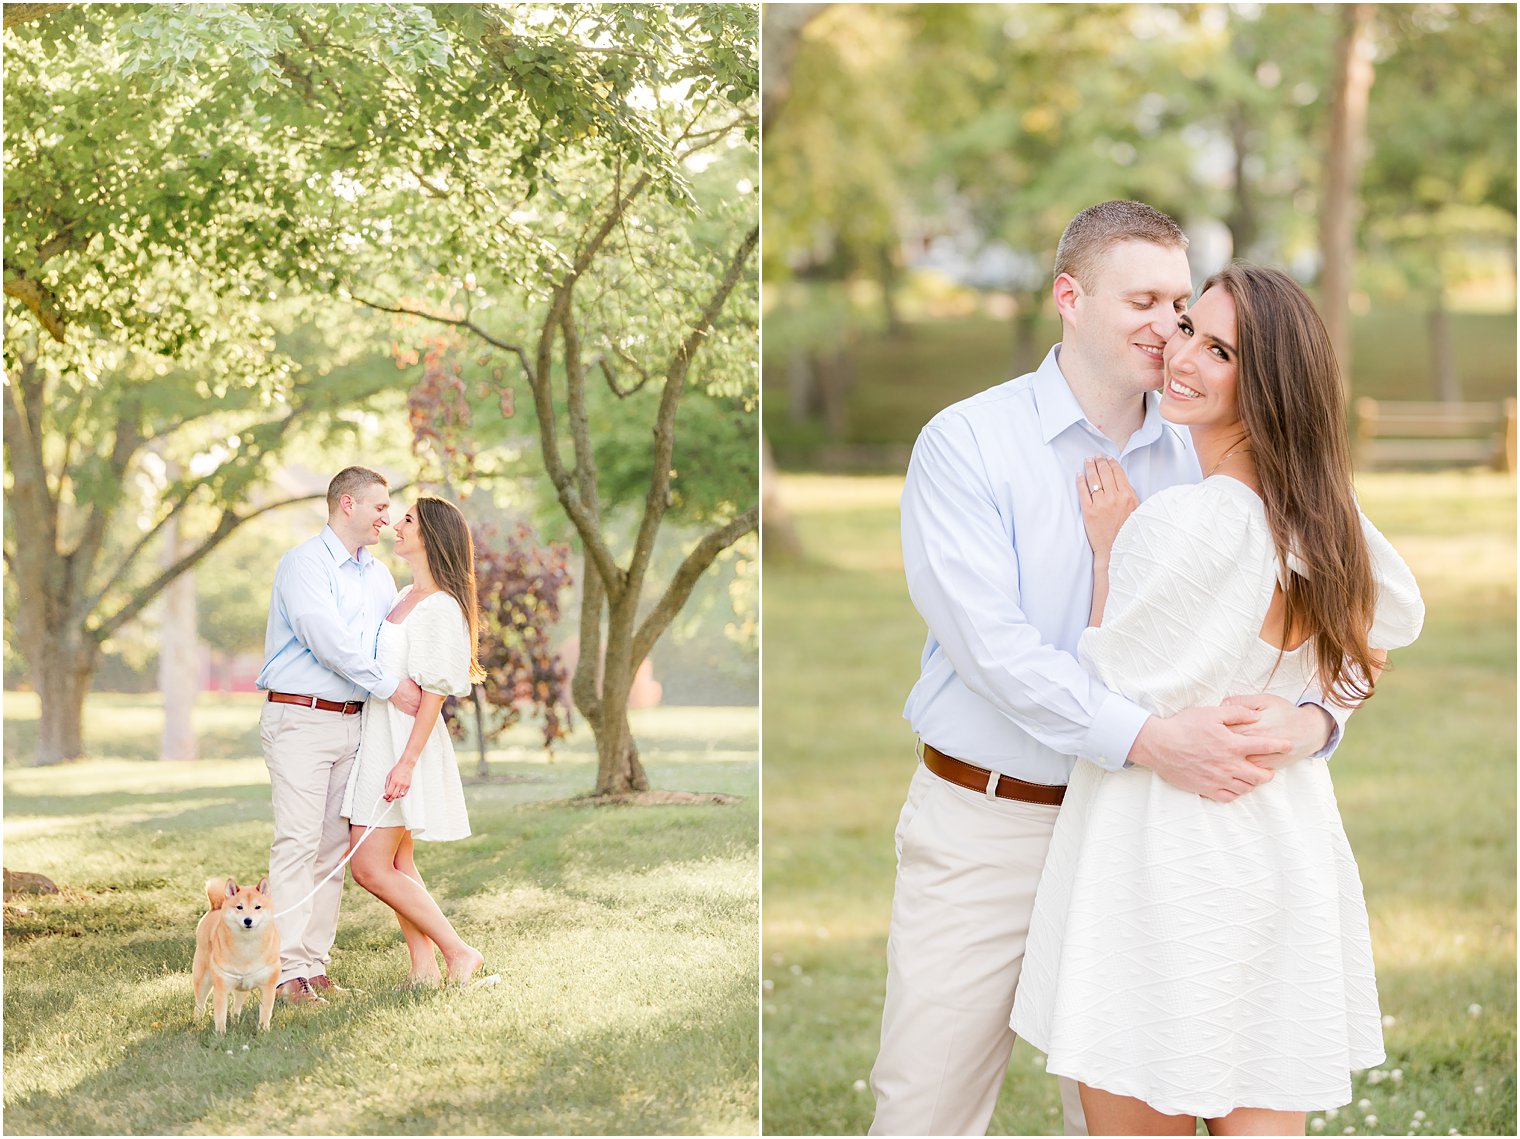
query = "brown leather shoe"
x=325 y=986
x=298 y=991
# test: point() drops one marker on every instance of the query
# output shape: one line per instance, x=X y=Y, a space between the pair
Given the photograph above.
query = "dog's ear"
x=263 y=886
x=232 y=887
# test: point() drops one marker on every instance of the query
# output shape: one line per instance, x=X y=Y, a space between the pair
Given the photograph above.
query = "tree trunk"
x=890 y=275
x=1243 y=218
x=62 y=672
x=478 y=698
x=778 y=533
x=178 y=666
x=618 y=770
x=833 y=372
x=1343 y=165
x=1442 y=366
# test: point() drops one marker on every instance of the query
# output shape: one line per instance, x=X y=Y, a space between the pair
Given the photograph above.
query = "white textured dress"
x=432 y=646
x=1205 y=956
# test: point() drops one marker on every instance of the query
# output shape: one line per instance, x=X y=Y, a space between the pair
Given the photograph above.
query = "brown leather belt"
x=348 y=707
x=975 y=778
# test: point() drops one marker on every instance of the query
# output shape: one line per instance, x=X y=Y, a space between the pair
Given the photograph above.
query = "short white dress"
x=432 y=646
x=1205 y=956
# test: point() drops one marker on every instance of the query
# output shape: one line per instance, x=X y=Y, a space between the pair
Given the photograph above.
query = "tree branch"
x=580 y=427
x=43 y=304
x=455 y=322
x=21 y=13
x=692 y=567
x=658 y=498
x=79 y=563
x=622 y=393
x=542 y=384
x=229 y=522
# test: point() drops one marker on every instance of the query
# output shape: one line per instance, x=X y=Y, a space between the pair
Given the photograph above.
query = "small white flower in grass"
x=1376 y=1076
x=1475 y=1010
x=245 y=1047
x=1370 y=1121
x=395 y=1067
x=860 y=1085
x=1478 y=1090
x=229 y=1051
x=1398 y=1074
x=1363 y=1104
x=1316 y=1125
x=1349 y=1131
x=796 y=970
x=1332 y=1112
x=768 y=985
x=1390 y=1021
x=1454 y=1131
x=1419 y=1115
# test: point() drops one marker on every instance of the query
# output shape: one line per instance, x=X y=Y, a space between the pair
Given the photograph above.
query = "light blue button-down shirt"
x=999 y=566
x=324 y=618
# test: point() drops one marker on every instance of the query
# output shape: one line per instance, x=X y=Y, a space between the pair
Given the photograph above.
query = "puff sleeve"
x=1400 y=613
x=1189 y=579
x=438 y=647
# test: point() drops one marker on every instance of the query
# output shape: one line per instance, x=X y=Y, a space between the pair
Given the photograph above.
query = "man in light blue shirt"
x=329 y=597
x=998 y=564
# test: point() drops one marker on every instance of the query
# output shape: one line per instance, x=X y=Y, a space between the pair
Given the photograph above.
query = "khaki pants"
x=967 y=868
x=308 y=753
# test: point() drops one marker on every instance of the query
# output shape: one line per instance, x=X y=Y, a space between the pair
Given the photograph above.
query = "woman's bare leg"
x=1109 y=1114
x=1258 y=1121
x=374 y=868
x=419 y=946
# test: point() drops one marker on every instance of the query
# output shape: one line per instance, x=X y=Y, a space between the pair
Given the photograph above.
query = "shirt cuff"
x=1113 y=731
x=1338 y=718
x=388 y=685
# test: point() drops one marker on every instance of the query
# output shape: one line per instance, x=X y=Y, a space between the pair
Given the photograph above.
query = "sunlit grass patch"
x=625 y=940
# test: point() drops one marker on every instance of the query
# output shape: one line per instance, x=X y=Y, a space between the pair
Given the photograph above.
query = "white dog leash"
x=338 y=869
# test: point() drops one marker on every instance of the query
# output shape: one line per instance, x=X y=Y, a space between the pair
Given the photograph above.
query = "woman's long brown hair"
x=451 y=559
x=1289 y=392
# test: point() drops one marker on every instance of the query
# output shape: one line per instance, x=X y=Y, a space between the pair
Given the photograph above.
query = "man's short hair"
x=350 y=481
x=1097 y=229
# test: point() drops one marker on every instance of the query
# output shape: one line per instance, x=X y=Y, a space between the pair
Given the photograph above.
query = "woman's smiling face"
x=1201 y=364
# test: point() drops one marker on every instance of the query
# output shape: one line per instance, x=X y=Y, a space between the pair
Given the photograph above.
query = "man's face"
x=371 y=513
x=1127 y=312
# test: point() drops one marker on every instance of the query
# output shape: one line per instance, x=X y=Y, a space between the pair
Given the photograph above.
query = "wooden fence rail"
x=1397 y=433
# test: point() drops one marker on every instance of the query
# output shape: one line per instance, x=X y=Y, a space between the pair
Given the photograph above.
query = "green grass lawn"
x=900 y=382
x=624 y=937
x=1426 y=782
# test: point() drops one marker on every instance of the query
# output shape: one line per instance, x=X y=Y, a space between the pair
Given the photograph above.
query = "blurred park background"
x=505 y=253
x=920 y=162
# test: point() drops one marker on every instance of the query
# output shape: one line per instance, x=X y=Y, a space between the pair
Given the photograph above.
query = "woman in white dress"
x=1195 y=959
x=405 y=782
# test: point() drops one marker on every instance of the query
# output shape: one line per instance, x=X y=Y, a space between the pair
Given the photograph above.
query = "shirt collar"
x=339 y=552
x=1058 y=408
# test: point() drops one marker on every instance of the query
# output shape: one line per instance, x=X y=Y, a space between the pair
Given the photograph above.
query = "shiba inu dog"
x=237 y=950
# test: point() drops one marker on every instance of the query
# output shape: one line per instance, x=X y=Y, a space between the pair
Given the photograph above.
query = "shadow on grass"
x=690 y=1055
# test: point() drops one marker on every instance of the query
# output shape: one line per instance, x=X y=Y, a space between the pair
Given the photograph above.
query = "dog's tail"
x=219 y=889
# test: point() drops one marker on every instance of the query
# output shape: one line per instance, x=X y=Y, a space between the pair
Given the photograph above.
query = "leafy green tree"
x=1440 y=180
x=137 y=313
x=574 y=193
x=559 y=163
